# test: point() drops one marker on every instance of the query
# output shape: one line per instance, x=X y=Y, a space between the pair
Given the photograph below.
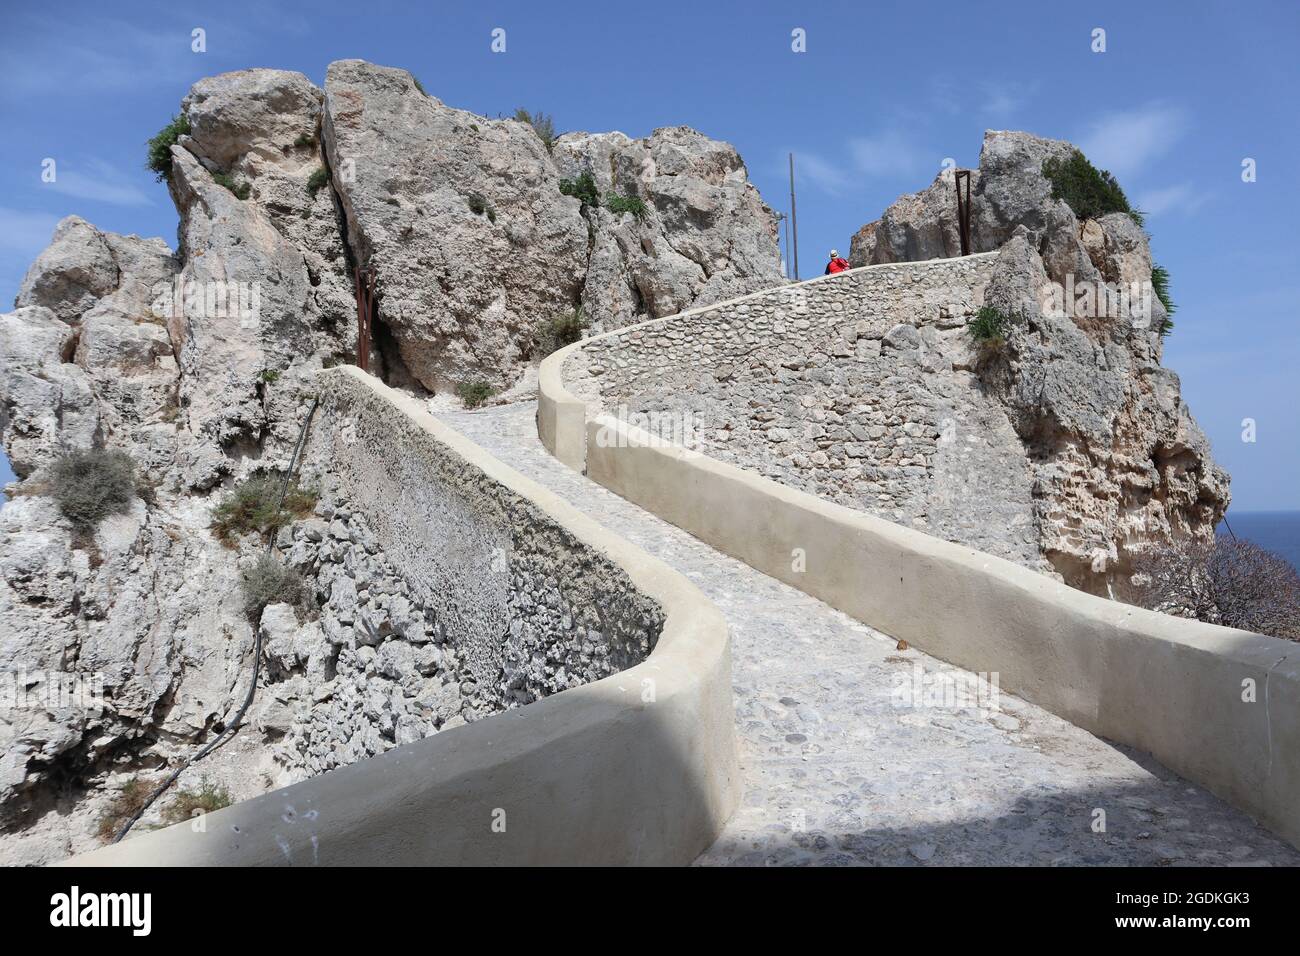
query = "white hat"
x=835 y=253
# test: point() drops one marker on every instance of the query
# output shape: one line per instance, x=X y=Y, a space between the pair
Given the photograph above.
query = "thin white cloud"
x=26 y=232
x=820 y=172
x=888 y=153
x=1125 y=142
x=1181 y=197
x=98 y=181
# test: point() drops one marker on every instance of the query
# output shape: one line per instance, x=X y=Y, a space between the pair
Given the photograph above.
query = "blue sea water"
x=1277 y=531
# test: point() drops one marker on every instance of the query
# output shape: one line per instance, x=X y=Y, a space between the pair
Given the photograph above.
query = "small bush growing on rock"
x=582 y=189
x=92 y=484
x=160 y=146
x=543 y=125
x=480 y=206
x=1226 y=581
x=305 y=140
x=620 y=204
x=1160 y=285
x=270 y=582
x=240 y=190
x=474 y=393
x=318 y=179
x=206 y=798
x=254 y=506
x=560 y=331
x=124 y=805
x=418 y=85
x=1090 y=192
x=990 y=327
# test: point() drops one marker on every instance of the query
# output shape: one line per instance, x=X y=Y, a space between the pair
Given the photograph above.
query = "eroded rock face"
x=477 y=249
x=200 y=364
x=706 y=236
x=1118 y=461
x=461 y=216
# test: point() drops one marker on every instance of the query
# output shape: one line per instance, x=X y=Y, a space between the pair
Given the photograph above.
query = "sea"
x=1276 y=531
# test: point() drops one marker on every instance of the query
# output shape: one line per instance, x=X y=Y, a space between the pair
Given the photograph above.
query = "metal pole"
x=794 y=220
x=785 y=220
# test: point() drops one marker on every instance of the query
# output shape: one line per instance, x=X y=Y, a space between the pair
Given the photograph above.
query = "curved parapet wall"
x=636 y=768
x=1218 y=706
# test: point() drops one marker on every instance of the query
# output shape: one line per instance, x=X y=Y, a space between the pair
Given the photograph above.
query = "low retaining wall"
x=635 y=768
x=1220 y=707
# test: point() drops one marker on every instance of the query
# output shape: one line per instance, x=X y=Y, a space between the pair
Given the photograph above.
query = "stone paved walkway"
x=838 y=770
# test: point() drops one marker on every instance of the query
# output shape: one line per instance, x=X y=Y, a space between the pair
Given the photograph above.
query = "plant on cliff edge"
x=270 y=582
x=474 y=393
x=1160 y=285
x=240 y=190
x=124 y=805
x=206 y=798
x=543 y=125
x=620 y=204
x=317 y=180
x=582 y=189
x=989 y=328
x=558 y=332
x=91 y=484
x=160 y=146
x=255 y=505
x=1090 y=192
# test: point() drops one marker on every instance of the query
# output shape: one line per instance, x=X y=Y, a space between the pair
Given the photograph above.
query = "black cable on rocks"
x=231 y=727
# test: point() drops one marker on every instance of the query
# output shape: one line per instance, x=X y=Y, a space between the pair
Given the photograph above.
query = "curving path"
x=837 y=770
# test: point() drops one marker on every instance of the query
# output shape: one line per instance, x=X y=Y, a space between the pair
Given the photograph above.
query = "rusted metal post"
x=365 y=285
x=962 y=177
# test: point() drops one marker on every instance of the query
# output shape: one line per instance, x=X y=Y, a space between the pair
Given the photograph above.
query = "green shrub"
x=583 y=189
x=305 y=140
x=1160 y=285
x=206 y=798
x=620 y=204
x=269 y=375
x=270 y=582
x=990 y=327
x=160 y=146
x=318 y=179
x=543 y=125
x=125 y=805
x=560 y=331
x=480 y=206
x=92 y=484
x=1089 y=191
x=241 y=190
x=253 y=506
x=474 y=393
x=418 y=85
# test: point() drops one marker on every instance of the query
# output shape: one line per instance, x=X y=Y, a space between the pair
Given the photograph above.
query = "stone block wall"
x=442 y=596
x=859 y=388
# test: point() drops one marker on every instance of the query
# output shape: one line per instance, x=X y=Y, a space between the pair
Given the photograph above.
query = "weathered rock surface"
x=1118 y=461
x=200 y=364
x=707 y=234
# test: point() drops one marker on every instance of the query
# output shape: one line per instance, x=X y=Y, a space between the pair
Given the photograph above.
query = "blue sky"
x=883 y=94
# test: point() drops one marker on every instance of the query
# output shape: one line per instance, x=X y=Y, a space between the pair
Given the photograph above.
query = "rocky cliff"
x=200 y=365
x=1117 y=462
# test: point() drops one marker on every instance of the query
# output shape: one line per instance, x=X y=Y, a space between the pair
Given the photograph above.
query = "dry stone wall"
x=860 y=388
x=442 y=596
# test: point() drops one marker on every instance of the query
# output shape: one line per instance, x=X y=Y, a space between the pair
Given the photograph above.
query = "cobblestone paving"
x=839 y=770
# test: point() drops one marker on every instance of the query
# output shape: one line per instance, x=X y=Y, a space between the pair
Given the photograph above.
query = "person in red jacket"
x=836 y=264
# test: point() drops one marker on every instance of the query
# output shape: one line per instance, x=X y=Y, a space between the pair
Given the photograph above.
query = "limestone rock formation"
x=1118 y=462
x=706 y=236
x=200 y=365
x=477 y=248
